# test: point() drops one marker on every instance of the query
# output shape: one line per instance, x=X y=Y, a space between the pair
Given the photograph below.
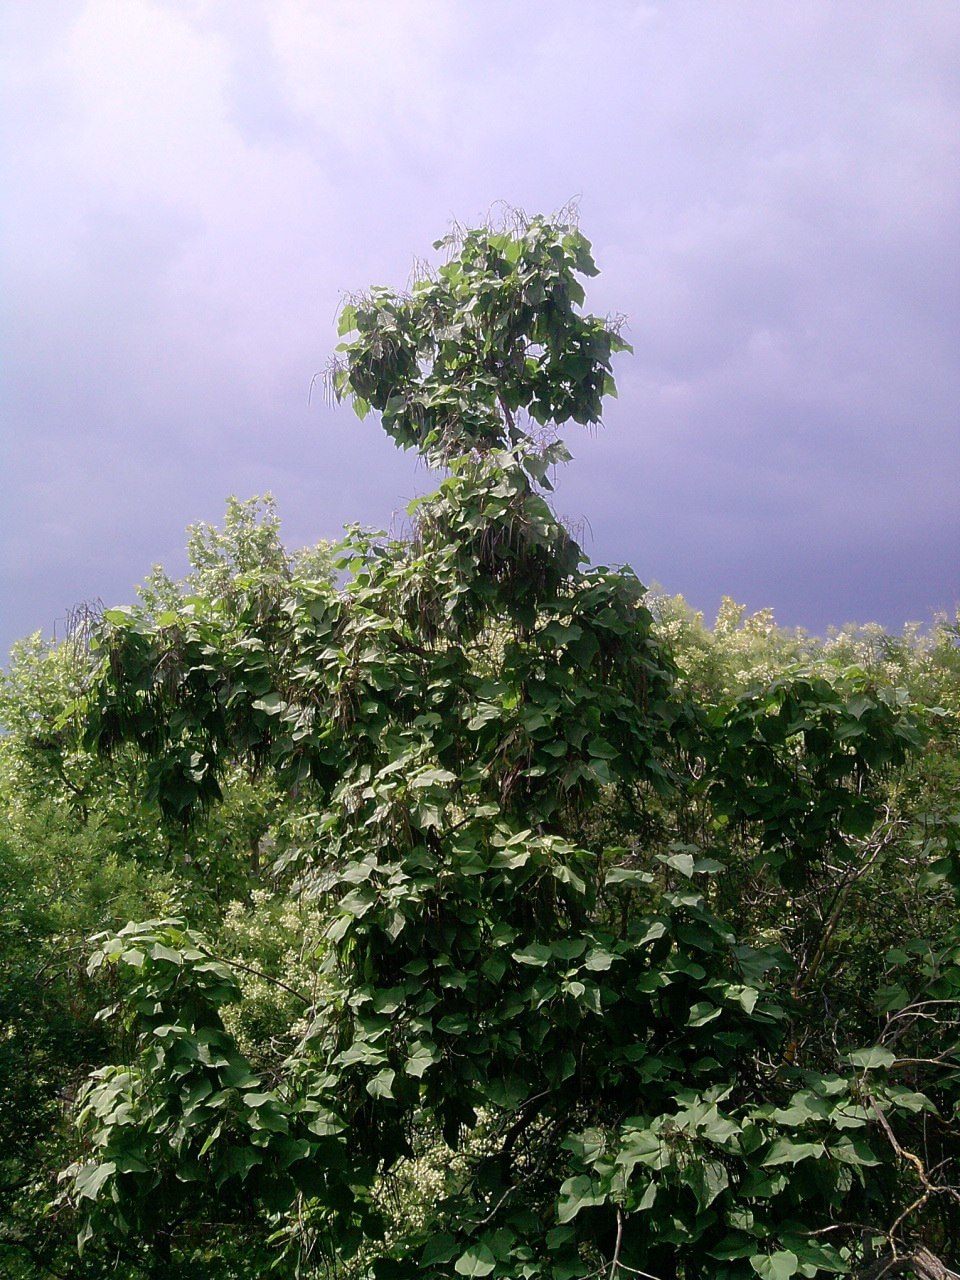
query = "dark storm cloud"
x=772 y=196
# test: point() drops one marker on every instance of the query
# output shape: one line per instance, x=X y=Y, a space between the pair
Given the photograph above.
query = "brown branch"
x=507 y=413
x=926 y=1266
x=258 y=973
x=929 y=1189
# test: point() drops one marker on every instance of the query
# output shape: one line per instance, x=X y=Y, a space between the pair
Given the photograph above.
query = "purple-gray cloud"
x=773 y=197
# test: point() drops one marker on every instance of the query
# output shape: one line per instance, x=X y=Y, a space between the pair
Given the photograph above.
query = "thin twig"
x=616 y=1248
x=840 y=900
x=258 y=973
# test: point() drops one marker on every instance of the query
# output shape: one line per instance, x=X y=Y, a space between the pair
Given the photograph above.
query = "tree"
x=576 y=926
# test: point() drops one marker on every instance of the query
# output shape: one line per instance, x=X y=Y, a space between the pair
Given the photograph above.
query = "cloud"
x=772 y=195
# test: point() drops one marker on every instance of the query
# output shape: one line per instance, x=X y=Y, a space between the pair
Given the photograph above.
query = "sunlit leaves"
x=574 y=927
x=493 y=332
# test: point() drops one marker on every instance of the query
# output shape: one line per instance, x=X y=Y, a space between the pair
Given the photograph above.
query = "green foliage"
x=58 y=882
x=186 y=1119
x=611 y=960
x=225 y=563
x=801 y=761
x=82 y=850
x=495 y=331
x=42 y=717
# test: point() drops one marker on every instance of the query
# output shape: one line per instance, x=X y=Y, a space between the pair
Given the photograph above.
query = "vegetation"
x=461 y=909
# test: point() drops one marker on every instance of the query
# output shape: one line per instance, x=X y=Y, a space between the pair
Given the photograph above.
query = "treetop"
x=482 y=347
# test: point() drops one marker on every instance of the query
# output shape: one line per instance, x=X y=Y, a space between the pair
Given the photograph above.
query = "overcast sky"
x=772 y=194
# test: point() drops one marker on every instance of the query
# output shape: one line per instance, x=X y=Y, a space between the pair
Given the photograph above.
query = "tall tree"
x=571 y=919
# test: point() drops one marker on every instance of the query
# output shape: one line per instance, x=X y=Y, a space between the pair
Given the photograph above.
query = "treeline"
x=444 y=906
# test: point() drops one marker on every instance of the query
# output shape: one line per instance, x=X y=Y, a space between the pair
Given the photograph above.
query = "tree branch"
x=258 y=973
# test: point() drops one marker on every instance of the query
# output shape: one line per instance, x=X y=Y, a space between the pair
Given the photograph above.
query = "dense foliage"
x=494 y=917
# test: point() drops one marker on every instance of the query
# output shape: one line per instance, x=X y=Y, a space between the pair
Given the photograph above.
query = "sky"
x=192 y=186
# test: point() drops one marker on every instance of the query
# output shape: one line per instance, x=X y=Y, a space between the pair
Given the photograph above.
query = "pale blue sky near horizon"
x=772 y=192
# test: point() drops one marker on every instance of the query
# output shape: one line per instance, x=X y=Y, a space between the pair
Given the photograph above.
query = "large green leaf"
x=476 y=1260
x=776 y=1266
